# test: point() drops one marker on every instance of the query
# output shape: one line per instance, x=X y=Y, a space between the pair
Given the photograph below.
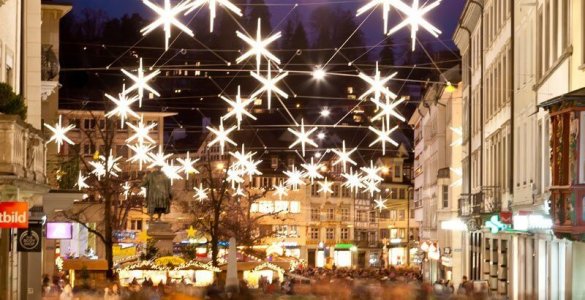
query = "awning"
x=577 y=97
x=343 y=246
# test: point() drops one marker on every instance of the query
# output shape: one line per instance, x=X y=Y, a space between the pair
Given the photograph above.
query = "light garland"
x=101 y=167
x=414 y=19
x=60 y=134
x=371 y=173
x=344 y=156
x=141 y=82
x=200 y=265
x=295 y=178
x=380 y=203
x=122 y=109
x=352 y=180
x=377 y=86
x=238 y=108
x=269 y=85
x=167 y=17
x=258 y=47
x=270 y=266
x=221 y=136
x=303 y=137
x=141 y=154
x=386 y=5
x=141 y=132
x=159 y=158
x=212 y=4
x=280 y=190
x=312 y=170
x=200 y=192
x=325 y=187
x=187 y=165
x=171 y=171
x=126 y=187
x=383 y=137
x=388 y=110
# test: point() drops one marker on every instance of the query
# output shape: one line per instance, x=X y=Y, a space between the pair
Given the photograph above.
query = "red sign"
x=506 y=217
x=13 y=215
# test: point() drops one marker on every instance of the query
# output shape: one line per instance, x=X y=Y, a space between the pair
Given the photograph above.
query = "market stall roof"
x=88 y=264
x=251 y=265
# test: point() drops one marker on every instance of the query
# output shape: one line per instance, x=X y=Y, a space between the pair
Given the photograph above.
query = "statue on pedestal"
x=158 y=193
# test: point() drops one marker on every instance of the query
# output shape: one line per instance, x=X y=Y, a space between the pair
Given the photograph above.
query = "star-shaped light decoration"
x=303 y=137
x=386 y=5
x=234 y=177
x=167 y=17
x=221 y=136
x=383 y=137
x=352 y=180
x=280 y=190
x=343 y=156
x=103 y=165
x=171 y=171
x=312 y=170
x=159 y=158
x=142 y=192
x=212 y=4
x=371 y=173
x=187 y=165
x=459 y=140
x=380 y=203
x=238 y=108
x=191 y=232
x=242 y=157
x=388 y=110
x=60 y=134
x=325 y=187
x=141 y=132
x=126 y=187
x=141 y=82
x=200 y=192
x=141 y=154
x=122 y=109
x=371 y=187
x=295 y=178
x=258 y=47
x=377 y=86
x=269 y=85
x=81 y=182
x=459 y=173
x=239 y=192
x=415 y=19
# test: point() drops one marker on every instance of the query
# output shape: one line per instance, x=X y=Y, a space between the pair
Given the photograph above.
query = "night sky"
x=444 y=17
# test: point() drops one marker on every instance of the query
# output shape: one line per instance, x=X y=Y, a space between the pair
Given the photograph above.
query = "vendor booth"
x=168 y=269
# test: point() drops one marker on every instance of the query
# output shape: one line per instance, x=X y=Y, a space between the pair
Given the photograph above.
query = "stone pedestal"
x=163 y=234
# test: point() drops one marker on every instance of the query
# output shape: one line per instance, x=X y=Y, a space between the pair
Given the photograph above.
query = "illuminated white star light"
x=238 y=108
x=269 y=85
x=295 y=178
x=312 y=170
x=81 y=182
x=212 y=4
x=380 y=203
x=371 y=173
x=141 y=154
x=258 y=47
x=383 y=137
x=126 y=187
x=325 y=187
x=353 y=181
x=122 y=109
x=101 y=167
x=343 y=156
x=187 y=165
x=303 y=137
x=60 y=134
x=239 y=192
x=459 y=140
x=388 y=110
x=159 y=159
x=234 y=177
x=141 y=132
x=415 y=18
x=371 y=187
x=386 y=5
x=171 y=171
x=167 y=17
x=200 y=192
x=280 y=190
x=377 y=85
x=221 y=136
x=141 y=82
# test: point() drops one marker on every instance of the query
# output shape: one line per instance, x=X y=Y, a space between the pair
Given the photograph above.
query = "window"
x=392 y=214
x=75 y=122
x=385 y=214
x=295 y=207
x=372 y=216
x=155 y=128
x=335 y=188
x=330 y=213
x=402 y=193
x=136 y=225
x=330 y=233
x=9 y=69
x=266 y=207
x=394 y=193
x=315 y=214
x=344 y=233
x=401 y=215
x=281 y=206
x=281 y=230
x=397 y=172
x=384 y=233
x=445 y=196
x=274 y=162
x=345 y=192
x=314 y=233
x=315 y=190
x=345 y=214
x=88 y=123
x=290 y=162
x=293 y=231
x=88 y=149
x=266 y=181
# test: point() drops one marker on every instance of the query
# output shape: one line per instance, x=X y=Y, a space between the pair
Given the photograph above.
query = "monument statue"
x=158 y=193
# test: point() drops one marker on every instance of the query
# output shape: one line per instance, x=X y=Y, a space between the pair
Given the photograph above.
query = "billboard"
x=13 y=215
x=59 y=231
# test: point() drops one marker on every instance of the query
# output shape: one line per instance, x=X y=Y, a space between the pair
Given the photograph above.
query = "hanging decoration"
x=353 y=181
x=238 y=108
x=258 y=47
x=312 y=170
x=343 y=156
x=388 y=110
x=167 y=17
x=60 y=134
x=141 y=82
x=159 y=159
x=303 y=137
x=325 y=187
x=380 y=203
x=122 y=109
x=383 y=137
x=187 y=165
x=81 y=182
x=415 y=19
x=295 y=178
x=280 y=190
x=212 y=4
x=269 y=85
x=171 y=171
x=141 y=132
x=200 y=192
x=386 y=5
x=221 y=136
x=141 y=154
x=377 y=86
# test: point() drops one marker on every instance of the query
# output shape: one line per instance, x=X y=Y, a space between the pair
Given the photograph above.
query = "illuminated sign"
x=59 y=231
x=532 y=222
x=495 y=225
x=13 y=215
x=454 y=225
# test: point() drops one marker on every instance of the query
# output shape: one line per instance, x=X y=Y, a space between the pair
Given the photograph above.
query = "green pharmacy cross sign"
x=495 y=225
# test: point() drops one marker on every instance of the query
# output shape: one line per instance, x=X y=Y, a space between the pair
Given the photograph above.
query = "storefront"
x=265 y=272
x=342 y=255
x=173 y=268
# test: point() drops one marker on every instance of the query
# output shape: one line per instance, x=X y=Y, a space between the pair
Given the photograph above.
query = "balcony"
x=23 y=150
x=480 y=203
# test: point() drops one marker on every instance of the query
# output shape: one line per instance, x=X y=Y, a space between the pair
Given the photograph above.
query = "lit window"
x=295 y=207
x=314 y=233
x=344 y=233
x=315 y=214
x=281 y=206
x=330 y=234
x=266 y=207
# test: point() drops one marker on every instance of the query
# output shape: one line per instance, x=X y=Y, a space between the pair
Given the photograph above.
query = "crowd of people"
x=306 y=283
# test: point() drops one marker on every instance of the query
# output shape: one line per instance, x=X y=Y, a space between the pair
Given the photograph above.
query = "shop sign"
x=29 y=239
x=527 y=222
x=13 y=214
x=495 y=225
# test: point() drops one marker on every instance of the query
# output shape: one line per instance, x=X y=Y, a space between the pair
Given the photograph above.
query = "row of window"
x=91 y=124
x=315 y=233
x=330 y=213
x=8 y=68
x=552 y=33
x=268 y=207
